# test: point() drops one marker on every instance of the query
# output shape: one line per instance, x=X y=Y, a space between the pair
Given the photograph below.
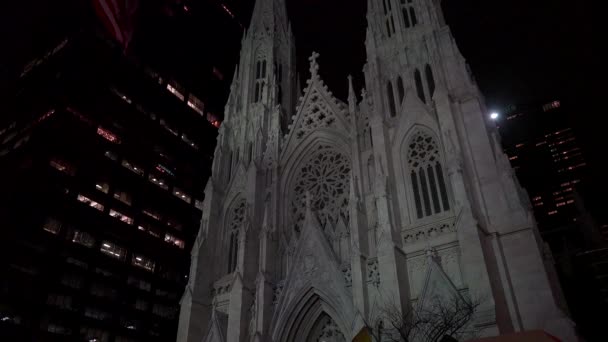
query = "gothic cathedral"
x=319 y=211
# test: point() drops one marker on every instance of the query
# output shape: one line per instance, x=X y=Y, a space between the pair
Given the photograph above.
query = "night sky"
x=520 y=51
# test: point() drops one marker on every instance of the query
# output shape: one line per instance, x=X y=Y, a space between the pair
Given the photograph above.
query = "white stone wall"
x=331 y=231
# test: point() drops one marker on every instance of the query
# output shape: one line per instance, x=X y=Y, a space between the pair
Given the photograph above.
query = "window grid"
x=427 y=179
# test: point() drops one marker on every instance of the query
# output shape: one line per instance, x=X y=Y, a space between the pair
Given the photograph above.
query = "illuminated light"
x=175 y=91
x=99 y=187
x=106 y=245
x=109 y=136
x=494 y=116
x=138 y=259
x=5 y=318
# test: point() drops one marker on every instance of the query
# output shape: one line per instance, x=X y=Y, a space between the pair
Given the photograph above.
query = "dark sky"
x=521 y=51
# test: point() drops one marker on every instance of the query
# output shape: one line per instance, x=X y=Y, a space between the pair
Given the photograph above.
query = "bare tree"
x=438 y=320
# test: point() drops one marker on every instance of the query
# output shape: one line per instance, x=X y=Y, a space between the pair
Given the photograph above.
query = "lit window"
x=84 y=239
x=124 y=218
x=538 y=198
x=113 y=250
x=552 y=212
x=94 y=335
x=153 y=214
x=90 y=202
x=180 y=193
x=519 y=145
x=143 y=262
x=109 y=136
x=111 y=155
x=539 y=204
x=52 y=226
x=174 y=241
x=103 y=187
x=136 y=169
x=62 y=166
x=76 y=262
x=158 y=181
x=175 y=89
x=196 y=104
x=513 y=158
x=570 y=201
x=123 y=196
x=541 y=143
x=560 y=204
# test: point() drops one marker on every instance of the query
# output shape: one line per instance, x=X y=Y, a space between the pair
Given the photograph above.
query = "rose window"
x=326 y=176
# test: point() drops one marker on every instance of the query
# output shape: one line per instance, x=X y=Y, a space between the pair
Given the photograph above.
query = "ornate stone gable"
x=318 y=108
x=315 y=267
x=217 y=327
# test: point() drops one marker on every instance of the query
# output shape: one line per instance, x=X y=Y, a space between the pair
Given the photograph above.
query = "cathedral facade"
x=319 y=211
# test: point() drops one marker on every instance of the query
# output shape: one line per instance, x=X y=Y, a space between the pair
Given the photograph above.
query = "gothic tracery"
x=326 y=176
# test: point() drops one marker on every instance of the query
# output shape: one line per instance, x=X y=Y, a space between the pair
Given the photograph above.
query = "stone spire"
x=269 y=16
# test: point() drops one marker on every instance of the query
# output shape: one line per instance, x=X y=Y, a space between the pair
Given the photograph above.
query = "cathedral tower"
x=320 y=212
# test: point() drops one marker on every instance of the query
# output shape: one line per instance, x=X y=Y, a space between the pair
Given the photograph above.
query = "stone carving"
x=238 y=215
x=278 y=291
x=427 y=232
x=348 y=277
x=373 y=273
x=326 y=176
x=317 y=114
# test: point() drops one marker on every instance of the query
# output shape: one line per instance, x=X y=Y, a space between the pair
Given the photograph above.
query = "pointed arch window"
x=260 y=78
x=430 y=80
x=426 y=176
x=237 y=218
x=400 y=89
x=419 y=85
x=409 y=13
x=391 y=99
x=388 y=17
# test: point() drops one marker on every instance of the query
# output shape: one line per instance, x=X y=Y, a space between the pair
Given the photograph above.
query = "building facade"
x=103 y=170
x=318 y=212
x=550 y=164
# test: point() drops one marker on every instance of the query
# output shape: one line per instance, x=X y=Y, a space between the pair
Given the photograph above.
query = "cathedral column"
x=196 y=303
x=393 y=283
x=470 y=238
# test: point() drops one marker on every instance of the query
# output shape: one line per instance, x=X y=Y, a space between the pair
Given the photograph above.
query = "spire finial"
x=314 y=66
